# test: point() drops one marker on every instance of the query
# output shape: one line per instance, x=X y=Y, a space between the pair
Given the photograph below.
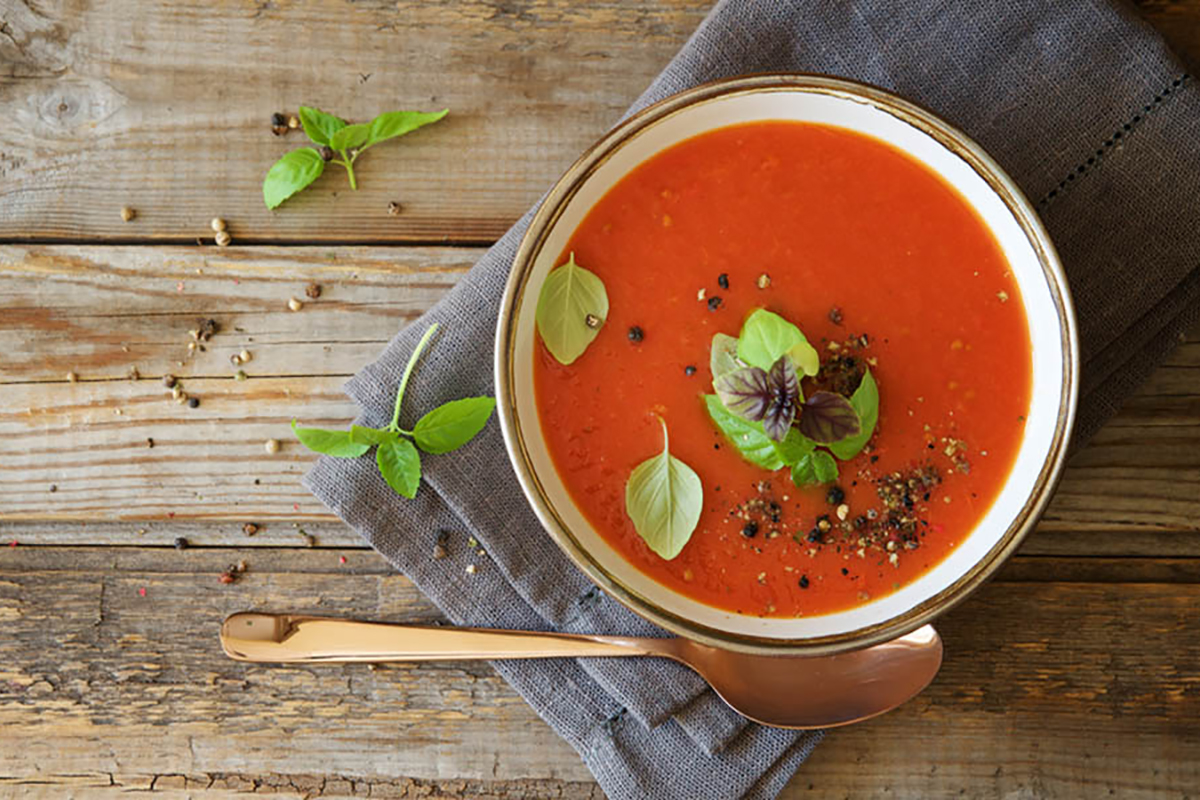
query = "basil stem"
x=412 y=362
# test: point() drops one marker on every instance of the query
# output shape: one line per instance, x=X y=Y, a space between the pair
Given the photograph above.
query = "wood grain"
x=1072 y=674
x=108 y=107
x=97 y=311
x=1049 y=688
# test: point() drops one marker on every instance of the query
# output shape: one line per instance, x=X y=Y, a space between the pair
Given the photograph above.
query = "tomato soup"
x=881 y=265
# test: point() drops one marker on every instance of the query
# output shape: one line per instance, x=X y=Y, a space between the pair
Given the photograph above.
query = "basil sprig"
x=761 y=409
x=299 y=168
x=664 y=498
x=445 y=428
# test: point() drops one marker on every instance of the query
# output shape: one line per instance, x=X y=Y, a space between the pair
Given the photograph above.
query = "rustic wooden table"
x=1076 y=673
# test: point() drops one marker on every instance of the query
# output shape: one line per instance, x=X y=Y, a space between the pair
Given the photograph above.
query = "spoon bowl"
x=781 y=691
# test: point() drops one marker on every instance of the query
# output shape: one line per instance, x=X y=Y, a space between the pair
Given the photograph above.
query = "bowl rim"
x=948 y=136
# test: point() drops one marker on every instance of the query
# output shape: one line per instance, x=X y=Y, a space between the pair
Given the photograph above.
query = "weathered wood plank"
x=113 y=104
x=1059 y=688
x=98 y=121
x=98 y=311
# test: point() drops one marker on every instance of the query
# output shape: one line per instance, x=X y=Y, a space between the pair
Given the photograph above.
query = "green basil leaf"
x=793 y=447
x=451 y=425
x=331 y=443
x=400 y=465
x=747 y=437
x=815 y=468
x=397 y=123
x=570 y=297
x=723 y=357
x=318 y=125
x=290 y=174
x=865 y=401
x=664 y=498
x=805 y=357
x=349 y=136
x=766 y=336
x=369 y=436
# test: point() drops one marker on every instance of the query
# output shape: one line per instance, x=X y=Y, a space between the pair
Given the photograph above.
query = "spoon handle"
x=292 y=638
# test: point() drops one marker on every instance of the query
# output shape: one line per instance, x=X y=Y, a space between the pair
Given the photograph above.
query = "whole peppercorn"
x=193 y=402
x=723 y=280
x=312 y=291
x=223 y=238
x=803 y=581
x=689 y=370
x=128 y=214
x=327 y=153
x=714 y=303
x=278 y=119
x=168 y=381
x=249 y=529
x=835 y=495
x=750 y=529
x=272 y=446
x=394 y=209
x=181 y=543
x=636 y=334
x=217 y=224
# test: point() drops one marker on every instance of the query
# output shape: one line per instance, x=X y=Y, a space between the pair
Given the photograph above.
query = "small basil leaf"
x=723 y=357
x=766 y=336
x=827 y=417
x=785 y=397
x=664 y=498
x=331 y=443
x=349 y=136
x=397 y=123
x=747 y=437
x=746 y=392
x=793 y=447
x=290 y=174
x=369 y=436
x=824 y=466
x=805 y=357
x=400 y=465
x=450 y=426
x=865 y=401
x=570 y=298
x=318 y=125
x=814 y=468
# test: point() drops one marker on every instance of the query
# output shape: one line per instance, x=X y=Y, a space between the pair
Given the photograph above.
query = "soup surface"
x=881 y=265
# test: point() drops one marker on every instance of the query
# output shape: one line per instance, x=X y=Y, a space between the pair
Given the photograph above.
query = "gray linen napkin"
x=1085 y=108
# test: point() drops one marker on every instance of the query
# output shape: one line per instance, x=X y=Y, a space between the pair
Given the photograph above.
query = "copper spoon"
x=783 y=691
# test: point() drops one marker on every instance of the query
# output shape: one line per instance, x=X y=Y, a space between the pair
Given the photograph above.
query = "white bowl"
x=960 y=163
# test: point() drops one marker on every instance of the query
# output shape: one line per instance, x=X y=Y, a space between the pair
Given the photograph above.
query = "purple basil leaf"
x=746 y=392
x=778 y=420
x=785 y=397
x=827 y=418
